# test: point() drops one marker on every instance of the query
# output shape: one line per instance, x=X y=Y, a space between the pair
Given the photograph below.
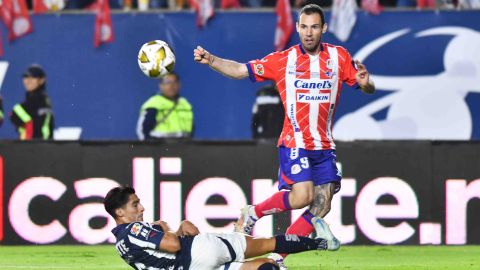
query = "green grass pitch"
x=348 y=257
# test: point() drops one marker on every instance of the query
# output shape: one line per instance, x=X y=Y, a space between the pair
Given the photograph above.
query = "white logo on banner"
x=421 y=107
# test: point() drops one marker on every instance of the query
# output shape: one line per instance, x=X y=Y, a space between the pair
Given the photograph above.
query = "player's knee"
x=269 y=266
x=301 y=198
x=301 y=202
x=306 y=200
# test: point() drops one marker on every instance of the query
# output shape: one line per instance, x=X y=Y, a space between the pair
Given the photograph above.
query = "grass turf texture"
x=348 y=257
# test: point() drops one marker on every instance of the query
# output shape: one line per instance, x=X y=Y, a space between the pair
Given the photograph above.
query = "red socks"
x=303 y=225
x=278 y=202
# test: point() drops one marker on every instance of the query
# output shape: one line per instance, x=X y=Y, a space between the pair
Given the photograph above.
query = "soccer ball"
x=54 y=5
x=156 y=59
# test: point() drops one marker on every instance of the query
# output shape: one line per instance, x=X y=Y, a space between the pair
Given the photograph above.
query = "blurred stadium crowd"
x=185 y=4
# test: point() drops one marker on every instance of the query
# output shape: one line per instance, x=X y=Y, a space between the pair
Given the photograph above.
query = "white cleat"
x=246 y=221
x=279 y=260
x=323 y=231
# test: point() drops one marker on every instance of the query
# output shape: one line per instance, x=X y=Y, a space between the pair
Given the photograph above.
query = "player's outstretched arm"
x=363 y=79
x=228 y=68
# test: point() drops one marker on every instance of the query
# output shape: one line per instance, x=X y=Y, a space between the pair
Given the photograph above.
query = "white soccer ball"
x=54 y=5
x=156 y=59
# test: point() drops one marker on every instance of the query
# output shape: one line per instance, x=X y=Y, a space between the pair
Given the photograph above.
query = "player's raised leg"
x=303 y=226
x=295 y=178
x=327 y=179
x=300 y=196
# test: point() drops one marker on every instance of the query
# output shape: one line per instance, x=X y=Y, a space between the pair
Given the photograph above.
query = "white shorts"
x=218 y=251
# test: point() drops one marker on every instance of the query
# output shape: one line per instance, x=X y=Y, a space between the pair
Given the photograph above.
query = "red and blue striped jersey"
x=309 y=87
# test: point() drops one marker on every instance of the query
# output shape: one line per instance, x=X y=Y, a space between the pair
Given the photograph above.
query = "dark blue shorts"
x=300 y=165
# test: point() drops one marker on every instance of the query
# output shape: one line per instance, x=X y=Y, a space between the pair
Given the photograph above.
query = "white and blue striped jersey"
x=138 y=244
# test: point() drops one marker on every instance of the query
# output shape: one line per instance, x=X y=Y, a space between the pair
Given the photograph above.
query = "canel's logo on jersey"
x=313 y=84
x=313 y=98
x=420 y=107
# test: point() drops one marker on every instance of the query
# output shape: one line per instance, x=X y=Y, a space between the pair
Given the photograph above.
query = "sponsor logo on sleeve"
x=152 y=234
x=136 y=228
x=259 y=70
x=145 y=232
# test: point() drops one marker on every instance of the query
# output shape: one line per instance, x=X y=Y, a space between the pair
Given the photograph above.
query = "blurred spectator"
x=273 y=3
x=160 y=3
x=322 y=3
x=406 y=3
x=1 y=110
x=171 y=4
x=388 y=3
x=33 y=118
x=469 y=4
x=250 y=3
x=155 y=4
x=81 y=4
x=268 y=113
x=426 y=4
x=116 y=4
x=166 y=114
x=328 y=3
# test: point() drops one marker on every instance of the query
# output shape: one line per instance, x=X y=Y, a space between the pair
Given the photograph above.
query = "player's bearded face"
x=133 y=210
x=309 y=28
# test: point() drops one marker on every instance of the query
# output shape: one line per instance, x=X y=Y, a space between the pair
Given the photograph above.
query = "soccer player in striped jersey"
x=309 y=79
x=154 y=246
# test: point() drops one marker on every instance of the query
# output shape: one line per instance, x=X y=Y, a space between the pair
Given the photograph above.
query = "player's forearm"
x=228 y=68
x=170 y=243
x=368 y=88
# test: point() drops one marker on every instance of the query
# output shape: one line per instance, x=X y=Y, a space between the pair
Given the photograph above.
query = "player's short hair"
x=312 y=8
x=177 y=77
x=117 y=198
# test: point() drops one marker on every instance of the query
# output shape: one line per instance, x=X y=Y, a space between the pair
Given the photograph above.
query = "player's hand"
x=187 y=228
x=163 y=225
x=200 y=55
x=362 y=75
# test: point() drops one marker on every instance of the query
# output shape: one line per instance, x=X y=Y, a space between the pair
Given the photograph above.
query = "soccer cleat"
x=278 y=260
x=323 y=232
x=246 y=221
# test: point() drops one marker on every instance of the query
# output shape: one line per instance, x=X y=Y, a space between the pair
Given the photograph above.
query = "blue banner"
x=424 y=64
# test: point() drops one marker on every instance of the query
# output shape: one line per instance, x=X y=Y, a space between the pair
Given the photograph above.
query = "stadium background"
x=104 y=102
